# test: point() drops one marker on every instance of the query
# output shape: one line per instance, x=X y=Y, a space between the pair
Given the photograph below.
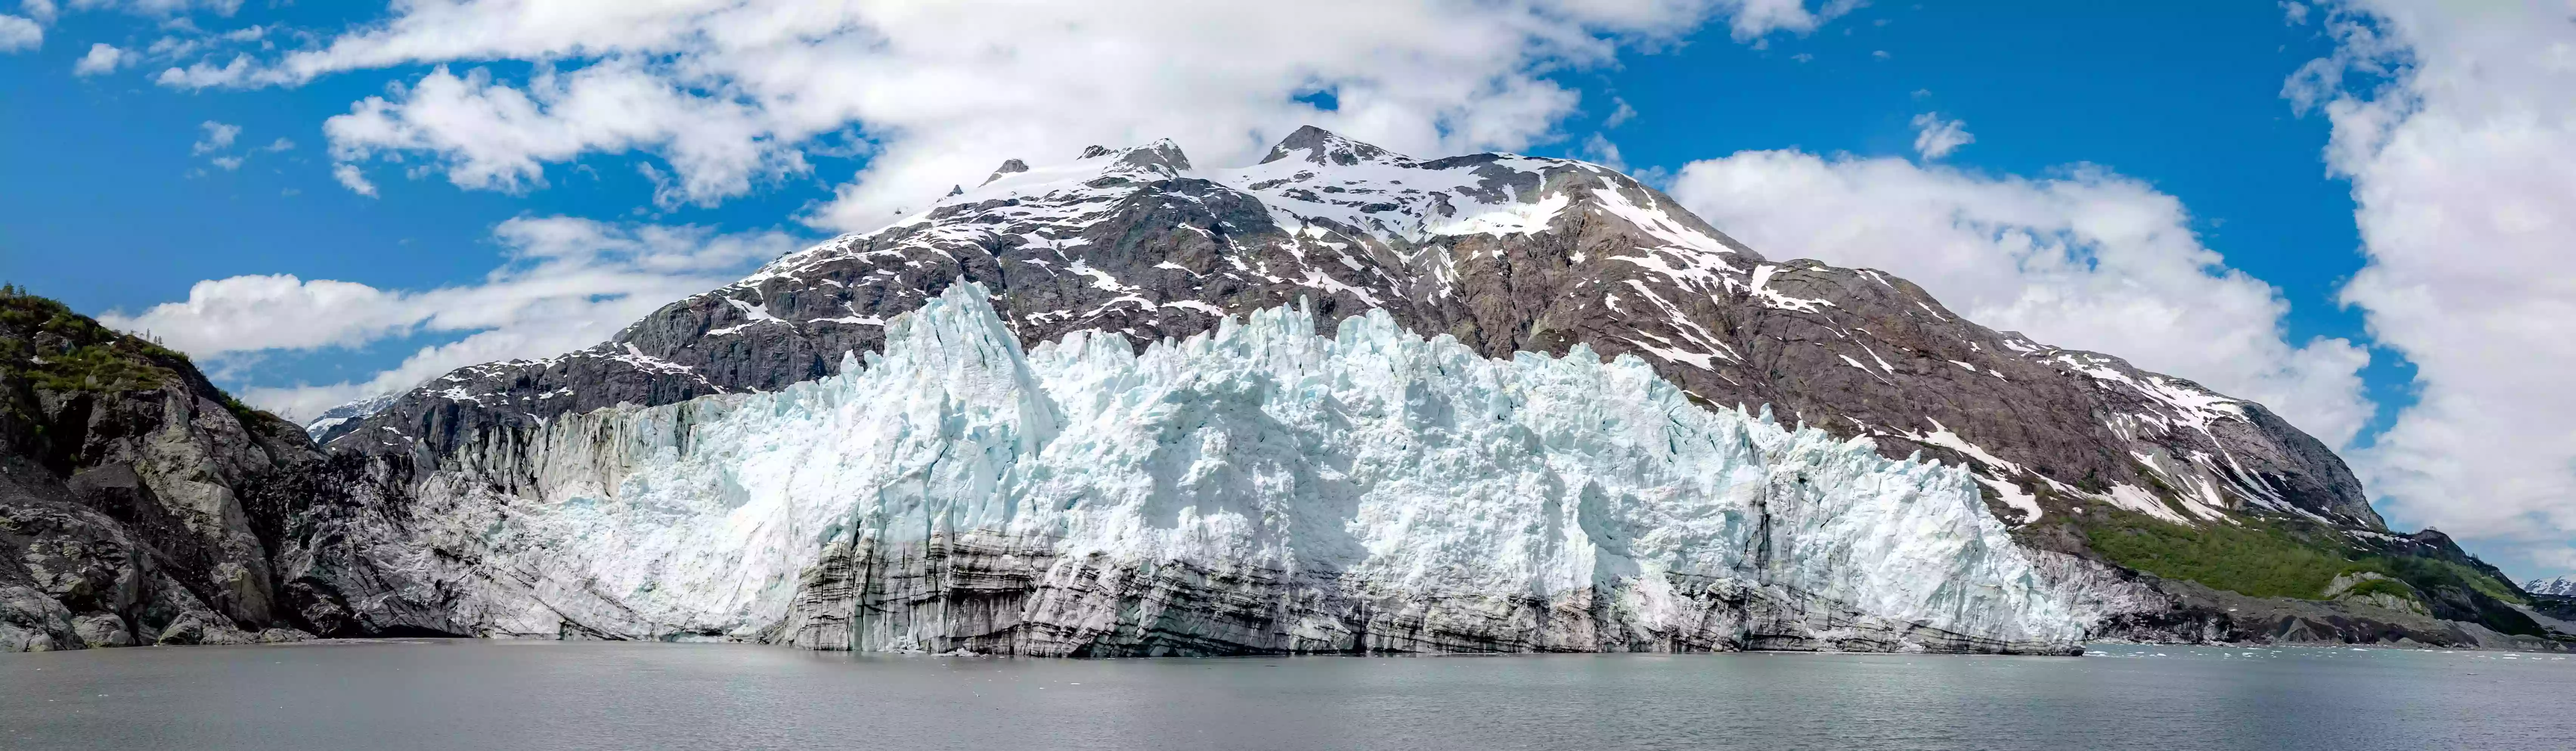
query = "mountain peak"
x=1008 y=166
x=1326 y=147
x=1162 y=156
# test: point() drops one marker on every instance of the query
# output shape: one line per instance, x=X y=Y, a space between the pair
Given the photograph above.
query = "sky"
x=2351 y=211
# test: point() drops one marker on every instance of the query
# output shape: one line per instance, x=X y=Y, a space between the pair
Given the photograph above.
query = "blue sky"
x=117 y=201
x=2185 y=96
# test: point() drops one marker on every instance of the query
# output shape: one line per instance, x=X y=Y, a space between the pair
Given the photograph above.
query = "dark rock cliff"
x=125 y=486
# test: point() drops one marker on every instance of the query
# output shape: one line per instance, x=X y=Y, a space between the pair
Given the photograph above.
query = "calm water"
x=530 y=695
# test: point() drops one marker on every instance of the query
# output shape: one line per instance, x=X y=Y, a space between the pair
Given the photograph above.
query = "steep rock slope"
x=129 y=492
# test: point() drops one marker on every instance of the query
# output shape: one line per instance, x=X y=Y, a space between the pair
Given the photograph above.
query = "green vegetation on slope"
x=56 y=349
x=2271 y=557
x=2390 y=587
x=2258 y=559
x=46 y=346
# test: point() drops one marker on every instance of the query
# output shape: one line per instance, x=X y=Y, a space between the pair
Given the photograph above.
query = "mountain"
x=2556 y=586
x=322 y=424
x=131 y=505
x=1505 y=253
x=1343 y=400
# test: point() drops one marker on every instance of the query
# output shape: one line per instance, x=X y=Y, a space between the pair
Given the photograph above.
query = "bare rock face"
x=123 y=482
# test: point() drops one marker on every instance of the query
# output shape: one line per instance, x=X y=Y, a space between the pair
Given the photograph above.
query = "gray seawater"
x=553 y=695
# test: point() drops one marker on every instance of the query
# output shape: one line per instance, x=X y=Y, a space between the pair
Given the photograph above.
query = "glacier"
x=1260 y=488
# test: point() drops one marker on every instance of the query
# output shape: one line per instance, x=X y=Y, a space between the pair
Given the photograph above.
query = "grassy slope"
x=47 y=347
x=2277 y=556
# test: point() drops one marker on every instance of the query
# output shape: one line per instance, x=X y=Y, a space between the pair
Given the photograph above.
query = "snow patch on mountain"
x=2561 y=586
x=354 y=410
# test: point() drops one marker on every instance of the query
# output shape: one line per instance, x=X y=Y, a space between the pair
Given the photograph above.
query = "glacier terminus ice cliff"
x=1255 y=488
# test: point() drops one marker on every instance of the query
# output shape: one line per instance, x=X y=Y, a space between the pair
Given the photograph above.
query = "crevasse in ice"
x=1370 y=489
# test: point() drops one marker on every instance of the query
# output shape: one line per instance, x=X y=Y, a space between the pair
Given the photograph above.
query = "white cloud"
x=19 y=34
x=203 y=73
x=41 y=10
x=2092 y=261
x=1620 y=115
x=219 y=136
x=102 y=59
x=159 y=8
x=728 y=95
x=2293 y=14
x=499 y=137
x=1598 y=148
x=1935 y=138
x=281 y=144
x=565 y=283
x=1751 y=19
x=228 y=163
x=350 y=177
x=2460 y=141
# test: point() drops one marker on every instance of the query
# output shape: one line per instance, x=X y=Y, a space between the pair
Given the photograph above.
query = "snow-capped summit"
x=2557 y=586
x=320 y=426
x=1320 y=146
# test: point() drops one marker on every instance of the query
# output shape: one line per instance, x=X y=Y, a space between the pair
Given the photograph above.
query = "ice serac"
x=1257 y=488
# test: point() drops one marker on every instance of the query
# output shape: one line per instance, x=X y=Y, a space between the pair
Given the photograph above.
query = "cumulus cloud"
x=349 y=176
x=102 y=59
x=219 y=136
x=19 y=34
x=500 y=137
x=729 y=95
x=1751 y=19
x=203 y=73
x=2091 y=261
x=158 y=8
x=2456 y=123
x=1620 y=115
x=565 y=283
x=1598 y=148
x=1935 y=138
